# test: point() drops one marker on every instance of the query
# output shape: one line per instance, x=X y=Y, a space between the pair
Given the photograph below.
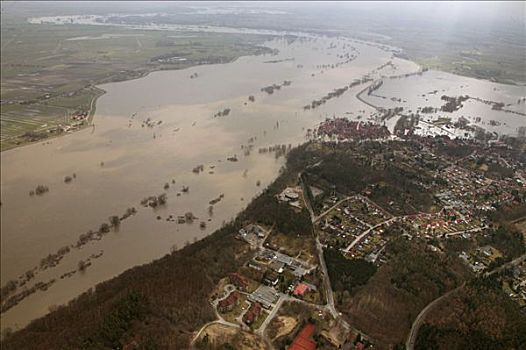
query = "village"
x=258 y=297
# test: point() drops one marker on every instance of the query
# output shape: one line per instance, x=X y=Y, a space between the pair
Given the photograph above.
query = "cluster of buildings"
x=266 y=296
x=480 y=258
x=468 y=190
x=80 y=116
x=253 y=234
x=361 y=228
x=284 y=273
x=342 y=129
x=348 y=221
x=251 y=298
x=292 y=196
x=240 y=295
x=446 y=223
x=514 y=283
x=370 y=248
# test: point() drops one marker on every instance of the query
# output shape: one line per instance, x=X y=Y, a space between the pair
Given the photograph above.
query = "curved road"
x=419 y=320
x=411 y=339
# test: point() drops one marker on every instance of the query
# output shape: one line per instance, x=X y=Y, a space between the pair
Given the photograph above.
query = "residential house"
x=252 y=314
x=229 y=302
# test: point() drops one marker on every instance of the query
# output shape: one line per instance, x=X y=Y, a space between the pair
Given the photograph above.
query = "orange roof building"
x=303 y=340
x=300 y=289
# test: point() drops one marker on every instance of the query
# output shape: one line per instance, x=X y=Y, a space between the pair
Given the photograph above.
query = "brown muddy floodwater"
x=138 y=161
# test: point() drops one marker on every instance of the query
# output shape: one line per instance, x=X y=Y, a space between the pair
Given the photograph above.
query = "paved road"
x=419 y=320
x=366 y=232
x=272 y=314
x=220 y=321
x=328 y=287
x=316 y=218
x=505 y=266
x=472 y=230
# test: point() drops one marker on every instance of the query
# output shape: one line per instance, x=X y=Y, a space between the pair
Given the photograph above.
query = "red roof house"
x=300 y=289
x=252 y=314
x=238 y=280
x=229 y=302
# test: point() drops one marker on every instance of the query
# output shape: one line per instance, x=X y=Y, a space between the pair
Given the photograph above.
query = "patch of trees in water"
x=452 y=103
x=32 y=136
x=375 y=86
x=150 y=123
x=154 y=201
x=335 y=93
x=199 y=168
x=17 y=298
x=428 y=109
x=69 y=178
x=498 y=106
x=271 y=88
x=407 y=75
x=225 y=112
x=39 y=190
x=216 y=200
x=279 y=150
x=390 y=112
x=53 y=259
x=347 y=58
x=279 y=61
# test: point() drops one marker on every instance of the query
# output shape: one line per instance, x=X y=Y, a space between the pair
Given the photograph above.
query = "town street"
x=366 y=232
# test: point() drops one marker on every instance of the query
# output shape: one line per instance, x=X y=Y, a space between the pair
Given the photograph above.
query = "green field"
x=47 y=78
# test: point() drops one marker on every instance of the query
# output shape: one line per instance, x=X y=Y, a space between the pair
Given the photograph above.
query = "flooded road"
x=154 y=131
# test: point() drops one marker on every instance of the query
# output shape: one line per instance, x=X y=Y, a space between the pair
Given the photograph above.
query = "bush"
x=345 y=274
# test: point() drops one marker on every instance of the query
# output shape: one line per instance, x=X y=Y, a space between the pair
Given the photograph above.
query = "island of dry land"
x=370 y=242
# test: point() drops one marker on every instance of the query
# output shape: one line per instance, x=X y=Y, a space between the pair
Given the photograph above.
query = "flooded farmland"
x=164 y=134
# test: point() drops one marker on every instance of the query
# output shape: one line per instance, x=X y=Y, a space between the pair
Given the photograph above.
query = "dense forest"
x=410 y=279
x=345 y=274
x=481 y=317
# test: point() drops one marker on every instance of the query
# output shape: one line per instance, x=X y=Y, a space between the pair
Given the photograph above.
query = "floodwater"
x=426 y=90
x=138 y=161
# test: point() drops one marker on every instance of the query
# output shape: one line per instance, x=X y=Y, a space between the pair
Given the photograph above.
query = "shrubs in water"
x=104 y=228
x=39 y=190
x=115 y=221
x=154 y=201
